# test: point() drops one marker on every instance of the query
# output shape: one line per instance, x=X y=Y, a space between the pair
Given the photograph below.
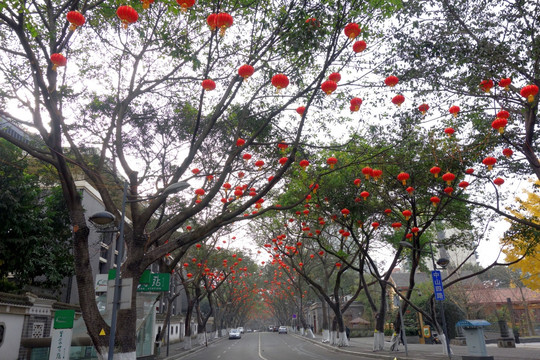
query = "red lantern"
x=300 y=110
x=454 y=110
x=240 y=142
x=352 y=30
x=489 y=162
x=403 y=177
x=127 y=14
x=359 y=46
x=448 y=190
x=505 y=83
x=415 y=230
x=435 y=171
x=357 y=182
x=396 y=225
x=423 y=108
x=199 y=193
x=282 y=146
x=280 y=81
x=407 y=214
x=387 y=211
x=283 y=160
x=223 y=21
x=246 y=157
x=364 y=194
x=259 y=164
x=355 y=104
x=195 y=171
x=498 y=181
x=391 y=81
x=376 y=173
x=435 y=200
x=338 y=265
x=335 y=77
x=463 y=184
x=529 y=92
x=449 y=131
x=208 y=85
x=58 y=60
x=503 y=114
x=398 y=100
x=507 y=152
x=146 y=3
x=331 y=161
x=410 y=190
x=185 y=4
x=367 y=171
x=345 y=212
x=375 y=225
x=448 y=177
x=328 y=87
x=211 y=21
x=499 y=124
x=304 y=164
x=246 y=71
x=486 y=85
x=75 y=18
x=469 y=171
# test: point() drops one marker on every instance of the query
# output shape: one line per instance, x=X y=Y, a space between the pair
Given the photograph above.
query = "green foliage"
x=34 y=226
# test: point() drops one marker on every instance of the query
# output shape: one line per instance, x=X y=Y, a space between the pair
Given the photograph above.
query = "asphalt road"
x=267 y=346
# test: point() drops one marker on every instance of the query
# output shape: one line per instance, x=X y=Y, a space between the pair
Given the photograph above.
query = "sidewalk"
x=364 y=346
x=177 y=351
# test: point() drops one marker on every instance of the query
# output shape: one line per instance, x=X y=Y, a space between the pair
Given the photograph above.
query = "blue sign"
x=294 y=316
x=437 y=285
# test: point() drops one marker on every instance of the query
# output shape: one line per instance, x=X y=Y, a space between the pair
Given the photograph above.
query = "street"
x=268 y=346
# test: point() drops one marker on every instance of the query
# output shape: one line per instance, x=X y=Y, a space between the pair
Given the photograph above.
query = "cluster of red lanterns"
x=221 y=21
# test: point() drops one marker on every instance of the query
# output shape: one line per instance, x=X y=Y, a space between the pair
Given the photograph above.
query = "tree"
x=521 y=241
x=130 y=101
x=35 y=237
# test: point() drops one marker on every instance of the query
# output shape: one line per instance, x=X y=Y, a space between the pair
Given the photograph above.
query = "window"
x=37 y=330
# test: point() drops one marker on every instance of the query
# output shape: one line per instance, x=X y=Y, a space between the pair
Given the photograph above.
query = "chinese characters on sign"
x=437 y=285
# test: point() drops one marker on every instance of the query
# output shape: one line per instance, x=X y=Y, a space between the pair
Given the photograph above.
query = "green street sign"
x=145 y=278
x=158 y=282
x=63 y=319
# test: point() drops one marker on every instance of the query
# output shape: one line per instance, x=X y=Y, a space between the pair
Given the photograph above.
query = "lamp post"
x=104 y=218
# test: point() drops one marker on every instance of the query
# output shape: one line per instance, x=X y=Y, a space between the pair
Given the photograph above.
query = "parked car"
x=282 y=330
x=241 y=329
x=235 y=334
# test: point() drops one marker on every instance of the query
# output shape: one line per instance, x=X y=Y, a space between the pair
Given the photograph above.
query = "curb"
x=397 y=355
x=193 y=350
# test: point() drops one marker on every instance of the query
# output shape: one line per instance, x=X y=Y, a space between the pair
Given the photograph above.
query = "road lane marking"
x=260 y=355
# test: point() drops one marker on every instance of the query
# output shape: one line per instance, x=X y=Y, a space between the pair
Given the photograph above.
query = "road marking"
x=260 y=355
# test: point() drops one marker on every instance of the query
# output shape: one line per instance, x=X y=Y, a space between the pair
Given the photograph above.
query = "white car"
x=282 y=330
x=235 y=334
x=241 y=329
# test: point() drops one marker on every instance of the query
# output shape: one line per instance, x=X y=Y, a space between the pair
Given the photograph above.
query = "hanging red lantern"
x=259 y=164
x=396 y=225
x=375 y=225
x=529 y=92
x=415 y=230
x=328 y=87
x=223 y=21
x=58 y=60
x=376 y=173
x=469 y=171
x=195 y=171
x=448 y=177
x=303 y=164
x=355 y=104
x=199 y=193
x=407 y=214
x=208 y=85
x=282 y=146
x=449 y=131
x=410 y=190
x=391 y=81
x=185 y=4
x=246 y=157
x=435 y=200
x=357 y=182
x=423 y=108
x=403 y=177
x=486 y=85
x=146 y=3
x=387 y=211
x=345 y=212
x=283 y=160
x=211 y=21
x=454 y=110
x=335 y=77
x=489 y=162
x=245 y=71
x=331 y=161
x=240 y=142
x=463 y=184
x=280 y=81
x=127 y=14
x=507 y=152
x=398 y=100
x=352 y=30
x=76 y=19
x=448 y=190
x=300 y=110
x=364 y=194
x=435 y=171
x=359 y=46
x=498 y=181
x=499 y=124
x=505 y=83
x=503 y=114
x=367 y=171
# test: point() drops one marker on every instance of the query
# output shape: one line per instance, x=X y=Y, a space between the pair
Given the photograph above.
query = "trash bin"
x=516 y=335
x=474 y=335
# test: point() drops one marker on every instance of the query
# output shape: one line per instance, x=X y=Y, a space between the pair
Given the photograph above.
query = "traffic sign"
x=437 y=285
x=158 y=282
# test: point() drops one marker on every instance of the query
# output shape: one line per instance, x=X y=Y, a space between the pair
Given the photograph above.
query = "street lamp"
x=104 y=218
